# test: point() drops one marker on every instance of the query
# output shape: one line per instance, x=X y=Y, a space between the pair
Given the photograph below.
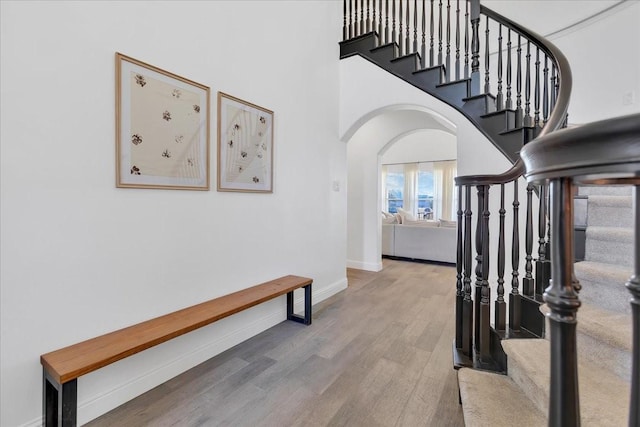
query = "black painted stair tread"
x=517 y=129
x=461 y=81
x=604 y=397
x=495 y=400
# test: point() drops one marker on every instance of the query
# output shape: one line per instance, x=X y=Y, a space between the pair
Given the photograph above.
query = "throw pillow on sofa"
x=406 y=215
x=446 y=223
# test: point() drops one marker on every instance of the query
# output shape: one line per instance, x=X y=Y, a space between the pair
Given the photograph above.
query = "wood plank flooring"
x=377 y=354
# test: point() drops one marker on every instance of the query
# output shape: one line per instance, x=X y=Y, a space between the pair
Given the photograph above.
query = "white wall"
x=601 y=40
x=605 y=62
x=422 y=146
x=371 y=121
x=81 y=258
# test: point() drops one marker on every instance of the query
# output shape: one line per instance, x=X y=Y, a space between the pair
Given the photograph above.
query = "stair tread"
x=454 y=82
x=604 y=397
x=495 y=400
x=498 y=112
x=614 y=329
x=622 y=201
x=610 y=234
x=595 y=271
x=603 y=285
x=621 y=190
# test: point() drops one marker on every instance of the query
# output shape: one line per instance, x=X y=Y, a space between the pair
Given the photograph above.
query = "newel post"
x=562 y=299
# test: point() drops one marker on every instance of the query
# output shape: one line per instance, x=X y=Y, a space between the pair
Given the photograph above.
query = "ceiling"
x=549 y=16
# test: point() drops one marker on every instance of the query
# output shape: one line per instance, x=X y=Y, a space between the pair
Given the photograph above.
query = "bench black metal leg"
x=59 y=402
x=306 y=319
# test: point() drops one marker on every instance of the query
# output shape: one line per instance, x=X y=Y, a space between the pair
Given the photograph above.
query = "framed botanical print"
x=162 y=128
x=245 y=146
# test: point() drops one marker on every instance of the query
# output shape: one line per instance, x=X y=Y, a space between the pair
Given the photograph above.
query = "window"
x=394 y=188
x=426 y=189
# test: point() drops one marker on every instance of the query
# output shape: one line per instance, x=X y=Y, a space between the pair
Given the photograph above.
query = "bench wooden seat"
x=62 y=367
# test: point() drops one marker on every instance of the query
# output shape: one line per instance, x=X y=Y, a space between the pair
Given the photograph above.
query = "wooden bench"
x=61 y=368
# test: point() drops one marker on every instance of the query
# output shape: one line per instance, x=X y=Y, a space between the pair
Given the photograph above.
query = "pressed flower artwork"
x=166 y=119
x=245 y=146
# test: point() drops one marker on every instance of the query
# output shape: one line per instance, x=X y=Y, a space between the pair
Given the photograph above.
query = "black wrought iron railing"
x=473 y=307
x=500 y=57
x=600 y=153
x=514 y=71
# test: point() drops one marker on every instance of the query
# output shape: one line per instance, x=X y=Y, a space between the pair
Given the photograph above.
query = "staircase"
x=523 y=367
x=449 y=62
x=603 y=334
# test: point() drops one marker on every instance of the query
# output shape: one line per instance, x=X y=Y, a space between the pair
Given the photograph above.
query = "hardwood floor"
x=377 y=354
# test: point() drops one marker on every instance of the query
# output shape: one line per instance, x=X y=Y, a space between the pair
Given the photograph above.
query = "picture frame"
x=245 y=146
x=162 y=128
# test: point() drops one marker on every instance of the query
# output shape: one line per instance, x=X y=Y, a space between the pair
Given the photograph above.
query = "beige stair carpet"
x=493 y=400
x=604 y=397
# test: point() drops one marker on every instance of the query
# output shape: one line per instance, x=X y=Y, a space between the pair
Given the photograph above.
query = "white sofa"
x=419 y=242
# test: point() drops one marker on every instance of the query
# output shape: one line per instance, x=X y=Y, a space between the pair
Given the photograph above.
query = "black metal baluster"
x=527 y=110
x=345 y=31
x=400 y=32
x=362 y=23
x=356 y=23
x=440 y=35
x=475 y=48
x=485 y=292
x=407 y=39
x=415 y=25
x=556 y=86
x=467 y=306
x=431 y=43
x=527 y=281
x=423 y=48
x=459 y=262
x=479 y=259
x=466 y=40
x=519 y=118
x=380 y=26
x=563 y=302
x=393 y=21
x=554 y=92
x=514 y=297
x=487 y=89
x=542 y=223
x=448 y=54
x=367 y=23
x=500 y=96
x=457 y=66
x=545 y=93
x=536 y=120
x=386 y=22
x=509 y=102
x=500 y=309
x=633 y=285
x=350 y=26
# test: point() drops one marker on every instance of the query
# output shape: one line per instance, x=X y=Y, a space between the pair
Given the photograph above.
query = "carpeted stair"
x=604 y=335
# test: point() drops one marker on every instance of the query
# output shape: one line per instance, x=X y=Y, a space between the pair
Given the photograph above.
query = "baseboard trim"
x=368 y=266
x=97 y=405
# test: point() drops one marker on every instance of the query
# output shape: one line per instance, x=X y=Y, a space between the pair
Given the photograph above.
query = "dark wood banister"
x=558 y=115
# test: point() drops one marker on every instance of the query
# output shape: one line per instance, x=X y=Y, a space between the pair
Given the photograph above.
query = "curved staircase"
x=535 y=363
